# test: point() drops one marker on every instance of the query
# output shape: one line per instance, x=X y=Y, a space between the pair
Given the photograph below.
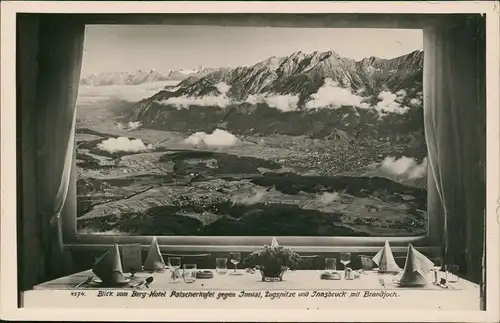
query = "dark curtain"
x=49 y=51
x=455 y=124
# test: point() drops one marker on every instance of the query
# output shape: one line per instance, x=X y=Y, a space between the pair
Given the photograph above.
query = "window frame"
x=430 y=243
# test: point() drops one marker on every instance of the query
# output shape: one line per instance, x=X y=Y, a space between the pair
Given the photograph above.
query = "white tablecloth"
x=224 y=291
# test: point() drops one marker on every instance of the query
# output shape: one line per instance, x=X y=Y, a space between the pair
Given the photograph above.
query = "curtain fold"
x=59 y=64
x=455 y=127
x=62 y=192
x=26 y=76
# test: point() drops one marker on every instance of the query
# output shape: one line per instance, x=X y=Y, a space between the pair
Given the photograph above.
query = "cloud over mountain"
x=220 y=100
x=123 y=144
x=391 y=102
x=331 y=94
x=283 y=103
x=219 y=138
x=130 y=126
x=405 y=166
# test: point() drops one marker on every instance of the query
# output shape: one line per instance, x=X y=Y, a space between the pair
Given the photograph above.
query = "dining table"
x=242 y=289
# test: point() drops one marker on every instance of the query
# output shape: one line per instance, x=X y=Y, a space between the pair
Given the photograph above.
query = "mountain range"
x=318 y=94
x=141 y=76
x=304 y=74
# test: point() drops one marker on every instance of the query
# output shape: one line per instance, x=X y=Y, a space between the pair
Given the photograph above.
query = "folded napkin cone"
x=154 y=260
x=109 y=267
x=417 y=267
x=385 y=260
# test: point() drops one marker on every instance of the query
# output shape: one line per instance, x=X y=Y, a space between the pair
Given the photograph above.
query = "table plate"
x=100 y=282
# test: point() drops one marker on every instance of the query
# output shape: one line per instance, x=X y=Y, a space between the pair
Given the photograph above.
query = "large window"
x=251 y=131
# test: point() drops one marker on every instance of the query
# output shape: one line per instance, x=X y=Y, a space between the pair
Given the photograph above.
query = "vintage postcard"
x=238 y=161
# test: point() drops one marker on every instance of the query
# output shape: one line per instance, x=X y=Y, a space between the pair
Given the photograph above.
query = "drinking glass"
x=330 y=264
x=174 y=263
x=235 y=258
x=221 y=266
x=452 y=273
x=189 y=273
x=345 y=258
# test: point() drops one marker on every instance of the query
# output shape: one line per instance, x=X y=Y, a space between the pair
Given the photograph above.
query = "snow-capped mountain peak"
x=306 y=80
x=140 y=76
x=190 y=71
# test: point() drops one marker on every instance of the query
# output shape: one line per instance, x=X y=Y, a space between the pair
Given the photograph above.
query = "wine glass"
x=452 y=273
x=132 y=270
x=345 y=258
x=174 y=263
x=235 y=258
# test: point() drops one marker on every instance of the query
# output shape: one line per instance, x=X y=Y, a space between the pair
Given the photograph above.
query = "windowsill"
x=247 y=244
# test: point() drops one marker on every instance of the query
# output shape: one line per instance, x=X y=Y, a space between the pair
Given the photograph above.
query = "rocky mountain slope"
x=317 y=94
x=304 y=74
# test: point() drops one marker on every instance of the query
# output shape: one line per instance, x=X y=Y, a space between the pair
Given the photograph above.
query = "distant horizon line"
x=234 y=67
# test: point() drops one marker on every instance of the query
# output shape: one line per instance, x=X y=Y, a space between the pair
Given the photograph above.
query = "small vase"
x=272 y=275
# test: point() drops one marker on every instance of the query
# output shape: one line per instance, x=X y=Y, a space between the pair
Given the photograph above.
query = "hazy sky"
x=129 y=48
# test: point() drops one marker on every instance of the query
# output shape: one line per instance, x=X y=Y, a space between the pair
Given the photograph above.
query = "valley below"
x=263 y=185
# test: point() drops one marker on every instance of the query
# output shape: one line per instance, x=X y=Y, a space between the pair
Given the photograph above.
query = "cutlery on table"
x=444 y=285
x=85 y=281
x=144 y=283
x=139 y=284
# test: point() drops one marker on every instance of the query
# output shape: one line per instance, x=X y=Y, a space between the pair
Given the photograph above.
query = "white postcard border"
x=8 y=269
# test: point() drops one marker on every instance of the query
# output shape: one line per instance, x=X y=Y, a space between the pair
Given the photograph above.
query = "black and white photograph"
x=251 y=131
x=322 y=158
